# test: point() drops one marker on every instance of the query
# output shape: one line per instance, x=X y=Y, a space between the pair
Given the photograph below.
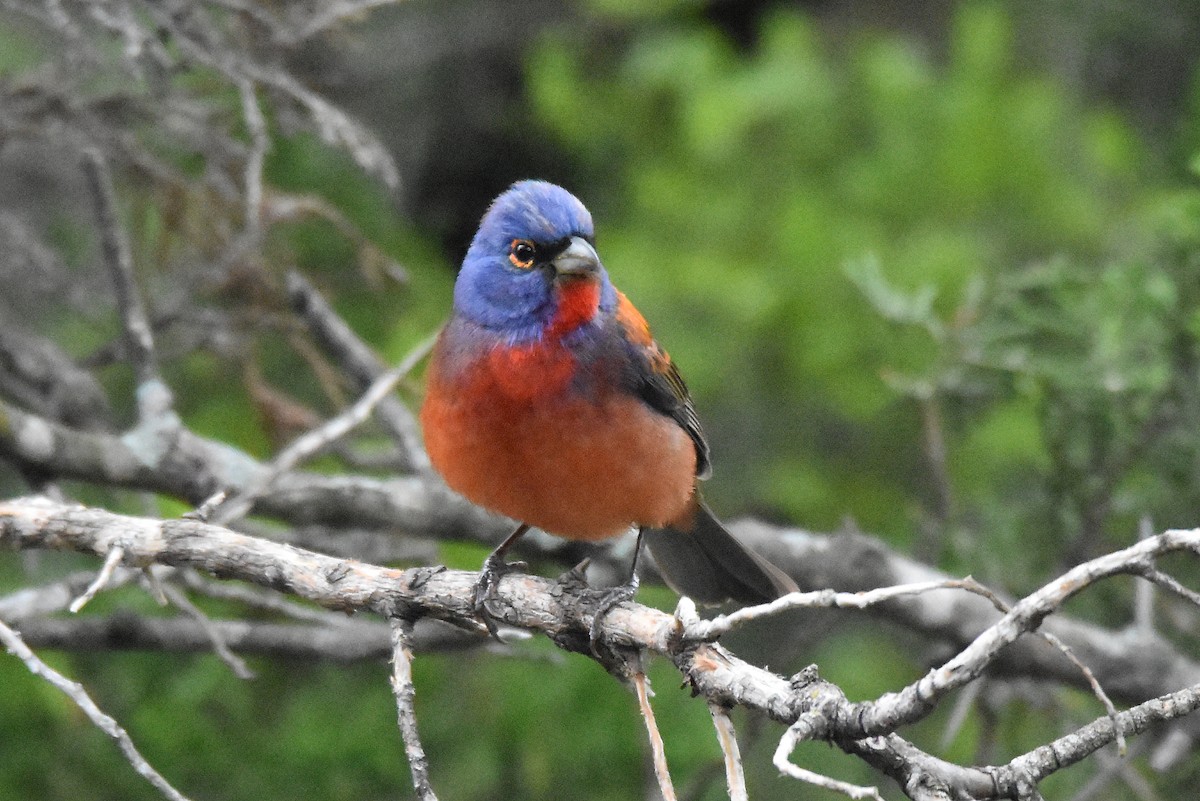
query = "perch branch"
x=811 y=707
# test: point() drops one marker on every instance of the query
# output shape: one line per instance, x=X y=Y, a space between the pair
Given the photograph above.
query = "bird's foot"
x=609 y=600
x=494 y=568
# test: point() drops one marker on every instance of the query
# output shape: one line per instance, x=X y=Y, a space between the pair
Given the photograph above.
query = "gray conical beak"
x=578 y=259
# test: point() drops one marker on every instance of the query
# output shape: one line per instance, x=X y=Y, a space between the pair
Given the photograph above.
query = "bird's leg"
x=614 y=596
x=494 y=567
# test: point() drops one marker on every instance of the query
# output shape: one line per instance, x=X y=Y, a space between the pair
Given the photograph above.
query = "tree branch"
x=811 y=707
x=13 y=644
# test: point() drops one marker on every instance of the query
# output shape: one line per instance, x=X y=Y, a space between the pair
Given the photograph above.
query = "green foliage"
x=854 y=250
x=830 y=237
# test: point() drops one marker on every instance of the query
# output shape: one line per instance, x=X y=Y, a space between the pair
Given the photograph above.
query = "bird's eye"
x=521 y=253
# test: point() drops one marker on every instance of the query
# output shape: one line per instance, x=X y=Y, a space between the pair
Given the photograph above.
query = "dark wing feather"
x=655 y=379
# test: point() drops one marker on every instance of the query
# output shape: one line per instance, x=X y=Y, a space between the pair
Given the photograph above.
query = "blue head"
x=535 y=240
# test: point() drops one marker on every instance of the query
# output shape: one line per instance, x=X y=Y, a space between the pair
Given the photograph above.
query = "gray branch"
x=1131 y=665
x=808 y=705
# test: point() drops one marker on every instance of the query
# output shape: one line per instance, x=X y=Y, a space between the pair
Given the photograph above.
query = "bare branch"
x=723 y=624
x=74 y=691
x=138 y=339
x=312 y=442
x=256 y=124
x=1073 y=747
x=1097 y=690
x=219 y=646
x=810 y=706
x=781 y=760
x=914 y=701
x=402 y=688
x=658 y=754
x=346 y=642
x=193 y=468
x=111 y=561
x=1143 y=598
x=359 y=361
x=38 y=374
x=735 y=777
x=330 y=14
x=55 y=597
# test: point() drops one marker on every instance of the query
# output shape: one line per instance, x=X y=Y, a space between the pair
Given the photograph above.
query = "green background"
x=935 y=276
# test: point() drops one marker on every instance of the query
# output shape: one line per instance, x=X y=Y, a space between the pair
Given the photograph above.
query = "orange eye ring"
x=522 y=253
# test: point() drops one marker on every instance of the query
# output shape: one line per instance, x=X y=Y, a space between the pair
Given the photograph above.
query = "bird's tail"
x=699 y=558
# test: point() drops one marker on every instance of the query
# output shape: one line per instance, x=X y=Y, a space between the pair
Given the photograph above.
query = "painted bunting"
x=549 y=401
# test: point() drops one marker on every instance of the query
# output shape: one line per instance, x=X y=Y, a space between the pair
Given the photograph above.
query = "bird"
x=549 y=401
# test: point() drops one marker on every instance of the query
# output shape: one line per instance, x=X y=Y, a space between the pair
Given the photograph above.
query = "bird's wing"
x=657 y=381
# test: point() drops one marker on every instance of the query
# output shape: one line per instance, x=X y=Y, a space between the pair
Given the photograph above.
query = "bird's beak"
x=577 y=260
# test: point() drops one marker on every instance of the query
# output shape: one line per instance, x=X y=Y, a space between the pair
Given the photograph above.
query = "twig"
x=723 y=624
x=658 y=752
x=1156 y=576
x=115 y=555
x=330 y=14
x=788 y=743
x=153 y=585
x=961 y=710
x=256 y=124
x=308 y=444
x=354 y=356
x=735 y=777
x=117 y=257
x=933 y=445
x=350 y=642
x=1097 y=690
x=1143 y=591
x=402 y=688
x=219 y=646
x=54 y=597
x=332 y=124
x=15 y=646
x=205 y=510
x=1073 y=747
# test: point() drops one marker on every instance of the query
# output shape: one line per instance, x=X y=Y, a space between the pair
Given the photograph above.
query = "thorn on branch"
x=115 y=555
x=205 y=510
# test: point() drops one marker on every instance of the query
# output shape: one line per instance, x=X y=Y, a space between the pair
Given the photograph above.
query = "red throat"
x=578 y=302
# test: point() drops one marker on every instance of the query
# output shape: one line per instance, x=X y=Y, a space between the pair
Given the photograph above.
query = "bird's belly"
x=583 y=468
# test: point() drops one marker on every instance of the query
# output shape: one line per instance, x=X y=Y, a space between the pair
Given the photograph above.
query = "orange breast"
x=509 y=434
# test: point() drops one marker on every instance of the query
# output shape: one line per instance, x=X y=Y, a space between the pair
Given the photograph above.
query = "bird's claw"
x=494 y=568
x=609 y=600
